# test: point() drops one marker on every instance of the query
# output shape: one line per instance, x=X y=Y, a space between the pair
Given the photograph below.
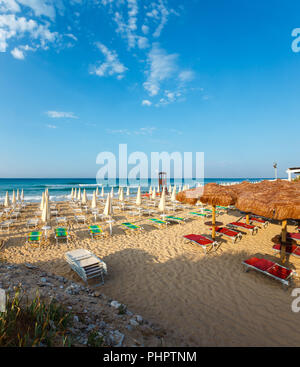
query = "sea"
x=60 y=188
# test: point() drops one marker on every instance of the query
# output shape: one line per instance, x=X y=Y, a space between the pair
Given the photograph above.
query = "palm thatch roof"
x=272 y=199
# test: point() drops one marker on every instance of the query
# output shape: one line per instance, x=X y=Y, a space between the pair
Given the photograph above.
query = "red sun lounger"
x=294 y=236
x=203 y=241
x=269 y=268
x=227 y=232
x=290 y=249
x=264 y=223
x=253 y=229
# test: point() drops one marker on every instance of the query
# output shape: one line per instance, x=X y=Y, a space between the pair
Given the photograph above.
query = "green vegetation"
x=33 y=323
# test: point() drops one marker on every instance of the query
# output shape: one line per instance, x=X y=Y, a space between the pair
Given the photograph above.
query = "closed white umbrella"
x=14 y=198
x=162 y=202
x=138 y=197
x=97 y=191
x=79 y=195
x=102 y=192
x=173 y=197
x=154 y=193
x=108 y=207
x=128 y=191
x=6 y=201
x=72 y=194
x=22 y=195
x=18 y=195
x=46 y=211
x=180 y=188
x=112 y=192
x=94 y=201
x=150 y=191
x=121 y=195
x=42 y=201
x=75 y=194
x=84 y=199
x=170 y=190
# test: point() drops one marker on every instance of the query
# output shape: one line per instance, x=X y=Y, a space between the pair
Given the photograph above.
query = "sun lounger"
x=95 y=231
x=87 y=265
x=294 y=236
x=227 y=232
x=210 y=211
x=32 y=222
x=6 y=223
x=131 y=226
x=79 y=218
x=200 y=215
x=264 y=222
x=252 y=229
x=159 y=222
x=204 y=242
x=289 y=249
x=34 y=238
x=61 y=233
x=269 y=268
x=174 y=219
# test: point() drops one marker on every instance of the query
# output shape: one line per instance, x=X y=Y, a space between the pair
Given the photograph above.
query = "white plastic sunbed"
x=86 y=264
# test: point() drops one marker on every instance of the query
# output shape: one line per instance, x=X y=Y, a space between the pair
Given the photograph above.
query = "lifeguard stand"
x=162 y=181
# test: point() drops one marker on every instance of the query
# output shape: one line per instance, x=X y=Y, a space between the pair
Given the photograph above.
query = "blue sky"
x=80 y=77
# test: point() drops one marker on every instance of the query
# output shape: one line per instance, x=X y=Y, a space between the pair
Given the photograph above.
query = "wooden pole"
x=213 y=234
x=247 y=219
x=283 y=241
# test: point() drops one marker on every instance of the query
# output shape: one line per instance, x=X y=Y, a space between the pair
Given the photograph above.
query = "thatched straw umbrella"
x=279 y=200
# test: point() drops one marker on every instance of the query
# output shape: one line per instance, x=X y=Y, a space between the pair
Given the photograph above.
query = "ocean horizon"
x=60 y=188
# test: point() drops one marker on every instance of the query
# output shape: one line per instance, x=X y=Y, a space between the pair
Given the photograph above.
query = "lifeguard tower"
x=162 y=181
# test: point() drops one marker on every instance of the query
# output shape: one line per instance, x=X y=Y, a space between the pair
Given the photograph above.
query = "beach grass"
x=34 y=323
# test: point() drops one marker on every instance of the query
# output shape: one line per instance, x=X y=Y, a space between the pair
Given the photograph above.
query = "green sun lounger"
x=34 y=237
x=175 y=219
x=61 y=233
x=95 y=231
x=131 y=226
x=159 y=222
x=202 y=215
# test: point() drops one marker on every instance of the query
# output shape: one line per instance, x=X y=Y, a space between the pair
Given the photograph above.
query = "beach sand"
x=205 y=300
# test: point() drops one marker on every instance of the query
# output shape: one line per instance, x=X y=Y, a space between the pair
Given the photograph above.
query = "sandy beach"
x=205 y=300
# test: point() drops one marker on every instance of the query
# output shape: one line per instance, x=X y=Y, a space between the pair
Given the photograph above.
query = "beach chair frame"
x=214 y=245
x=285 y=281
x=253 y=230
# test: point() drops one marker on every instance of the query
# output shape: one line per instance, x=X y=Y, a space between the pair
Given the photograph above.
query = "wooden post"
x=247 y=219
x=283 y=241
x=213 y=234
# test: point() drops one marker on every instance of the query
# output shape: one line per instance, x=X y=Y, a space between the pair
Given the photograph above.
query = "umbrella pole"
x=247 y=219
x=213 y=234
x=283 y=241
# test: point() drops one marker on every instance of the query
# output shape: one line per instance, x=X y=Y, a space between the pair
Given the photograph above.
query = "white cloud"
x=161 y=67
x=41 y=7
x=186 y=75
x=51 y=126
x=143 y=42
x=17 y=53
x=59 y=114
x=146 y=102
x=140 y=131
x=111 y=65
x=145 y=29
x=17 y=27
